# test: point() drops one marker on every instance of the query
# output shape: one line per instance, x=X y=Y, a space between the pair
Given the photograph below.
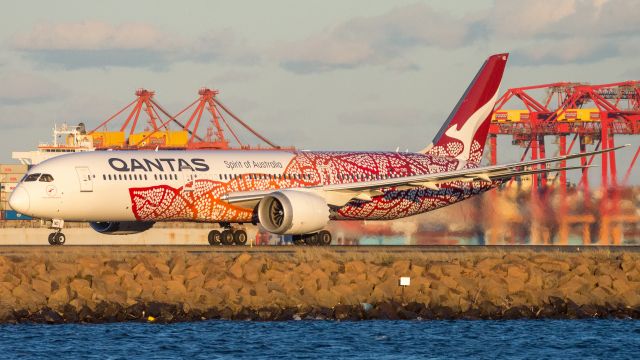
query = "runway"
x=133 y=249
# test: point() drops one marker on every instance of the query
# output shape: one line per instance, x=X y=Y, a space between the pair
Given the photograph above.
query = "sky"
x=320 y=75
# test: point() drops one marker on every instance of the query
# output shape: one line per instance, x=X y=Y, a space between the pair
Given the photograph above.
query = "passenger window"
x=46 y=178
x=32 y=177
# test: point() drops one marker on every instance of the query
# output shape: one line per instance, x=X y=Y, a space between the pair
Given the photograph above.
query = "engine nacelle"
x=121 y=228
x=293 y=212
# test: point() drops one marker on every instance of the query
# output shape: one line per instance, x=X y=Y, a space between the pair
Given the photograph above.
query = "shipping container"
x=14 y=215
x=590 y=114
x=10 y=178
x=13 y=168
x=510 y=115
x=8 y=187
x=108 y=139
x=160 y=138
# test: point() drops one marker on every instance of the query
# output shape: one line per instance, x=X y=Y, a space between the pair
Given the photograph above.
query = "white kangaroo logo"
x=468 y=130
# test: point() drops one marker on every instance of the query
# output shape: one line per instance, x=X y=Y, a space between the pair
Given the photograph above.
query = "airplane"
x=288 y=192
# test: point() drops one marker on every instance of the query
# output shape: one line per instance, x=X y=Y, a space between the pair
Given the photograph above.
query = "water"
x=526 y=339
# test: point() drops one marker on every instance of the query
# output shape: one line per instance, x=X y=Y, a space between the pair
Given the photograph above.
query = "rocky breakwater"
x=316 y=284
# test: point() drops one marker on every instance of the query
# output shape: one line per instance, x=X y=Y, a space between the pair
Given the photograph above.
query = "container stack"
x=10 y=175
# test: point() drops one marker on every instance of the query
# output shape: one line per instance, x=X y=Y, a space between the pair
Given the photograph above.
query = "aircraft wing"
x=340 y=194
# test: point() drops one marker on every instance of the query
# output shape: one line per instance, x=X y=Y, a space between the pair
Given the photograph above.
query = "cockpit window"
x=32 y=177
x=46 y=178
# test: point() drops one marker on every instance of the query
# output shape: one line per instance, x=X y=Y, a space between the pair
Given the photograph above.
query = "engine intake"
x=121 y=228
x=293 y=212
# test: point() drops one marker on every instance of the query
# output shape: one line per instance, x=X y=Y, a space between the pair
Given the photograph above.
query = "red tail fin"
x=464 y=133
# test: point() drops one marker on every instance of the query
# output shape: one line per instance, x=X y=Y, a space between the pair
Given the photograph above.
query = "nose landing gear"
x=57 y=237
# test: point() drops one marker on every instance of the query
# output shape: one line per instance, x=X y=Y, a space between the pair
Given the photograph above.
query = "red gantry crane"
x=588 y=114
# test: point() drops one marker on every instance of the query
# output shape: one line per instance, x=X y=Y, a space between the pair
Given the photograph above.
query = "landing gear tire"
x=298 y=240
x=56 y=238
x=240 y=237
x=324 y=238
x=226 y=237
x=214 y=237
x=60 y=238
x=311 y=239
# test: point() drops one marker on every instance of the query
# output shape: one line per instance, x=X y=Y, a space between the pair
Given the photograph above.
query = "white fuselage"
x=189 y=185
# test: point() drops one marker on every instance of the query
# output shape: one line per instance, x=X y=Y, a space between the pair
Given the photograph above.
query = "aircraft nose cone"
x=19 y=200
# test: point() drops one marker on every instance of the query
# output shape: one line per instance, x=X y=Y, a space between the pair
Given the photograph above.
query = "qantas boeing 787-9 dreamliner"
x=287 y=192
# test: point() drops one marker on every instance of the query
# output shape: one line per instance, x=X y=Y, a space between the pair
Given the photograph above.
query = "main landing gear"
x=321 y=238
x=57 y=237
x=229 y=236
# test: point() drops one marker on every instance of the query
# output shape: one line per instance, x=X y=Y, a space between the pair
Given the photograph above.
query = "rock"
x=41 y=286
x=195 y=283
x=87 y=315
x=405 y=314
x=327 y=298
x=59 y=298
x=386 y=311
x=70 y=314
x=452 y=270
x=581 y=269
x=444 y=313
x=50 y=316
x=488 y=310
x=346 y=312
x=512 y=313
x=449 y=282
x=130 y=286
x=177 y=265
x=28 y=298
x=355 y=267
x=589 y=311
x=573 y=310
x=559 y=306
x=176 y=290
x=487 y=264
x=328 y=266
x=7 y=315
x=401 y=267
x=236 y=270
x=516 y=272
x=79 y=284
x=252 y=270
x=242 y=259
x=627 y=262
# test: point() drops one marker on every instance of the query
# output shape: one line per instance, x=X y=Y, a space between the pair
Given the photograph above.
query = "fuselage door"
x=84 y=176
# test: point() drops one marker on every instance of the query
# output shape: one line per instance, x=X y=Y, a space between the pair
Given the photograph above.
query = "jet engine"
x=121 y=228
x=293 y=212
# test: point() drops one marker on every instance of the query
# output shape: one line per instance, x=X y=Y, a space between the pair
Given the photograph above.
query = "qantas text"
x=163 y=164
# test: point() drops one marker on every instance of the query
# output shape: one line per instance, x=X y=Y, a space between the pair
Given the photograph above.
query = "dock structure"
x=589 y=115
